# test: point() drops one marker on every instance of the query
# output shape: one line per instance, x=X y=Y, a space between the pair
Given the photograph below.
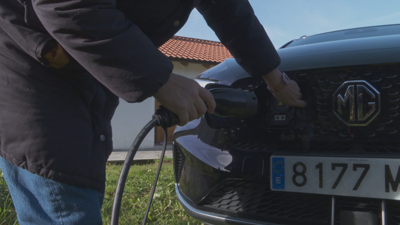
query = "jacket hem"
x=56 y=176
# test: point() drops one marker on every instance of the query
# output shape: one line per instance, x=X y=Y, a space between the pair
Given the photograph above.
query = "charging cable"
x=163 y=118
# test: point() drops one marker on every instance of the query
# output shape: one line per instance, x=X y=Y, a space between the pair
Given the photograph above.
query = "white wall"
x=130 y=118
x=189 y=71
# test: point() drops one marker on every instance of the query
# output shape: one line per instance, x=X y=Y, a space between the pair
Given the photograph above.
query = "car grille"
x=318 y=147
x=320 y=85
x=179 y=159
x=369 y=205
x=317 y=128
x=393 y=212
x=357 y=204
x=256 y=199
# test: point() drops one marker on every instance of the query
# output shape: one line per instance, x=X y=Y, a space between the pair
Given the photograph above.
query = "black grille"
x=352 y=147
x=319 y=147
x=360 y=205
x=179 y=159
x=256 y=199
x=393 y=211
x=320 y=86
x=317 y=128
x=371 y=206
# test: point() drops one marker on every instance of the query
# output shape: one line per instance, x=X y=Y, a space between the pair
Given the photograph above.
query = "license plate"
x=357 y=177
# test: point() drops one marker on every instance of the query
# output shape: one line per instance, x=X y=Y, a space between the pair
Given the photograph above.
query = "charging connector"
x=165 y=118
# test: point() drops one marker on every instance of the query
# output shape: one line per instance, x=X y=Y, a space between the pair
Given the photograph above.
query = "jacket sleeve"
x=239 y=30
x=29 y=40
x=111 y=48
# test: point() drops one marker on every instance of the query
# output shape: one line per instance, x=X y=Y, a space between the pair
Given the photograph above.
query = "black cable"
x=157 y=175
x=125 y=169
x=163 y=118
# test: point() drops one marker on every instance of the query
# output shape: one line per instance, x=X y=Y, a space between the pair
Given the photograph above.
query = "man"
x=63 y=65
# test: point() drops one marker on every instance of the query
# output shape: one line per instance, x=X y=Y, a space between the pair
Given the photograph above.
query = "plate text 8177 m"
x=357 y=177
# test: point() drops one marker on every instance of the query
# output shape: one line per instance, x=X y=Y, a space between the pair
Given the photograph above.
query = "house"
x=190 y=57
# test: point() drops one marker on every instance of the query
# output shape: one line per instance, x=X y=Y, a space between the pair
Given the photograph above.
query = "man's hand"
x=186 y=98
x=290 y=94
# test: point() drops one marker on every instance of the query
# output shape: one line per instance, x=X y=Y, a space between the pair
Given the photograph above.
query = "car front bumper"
x=212 y=218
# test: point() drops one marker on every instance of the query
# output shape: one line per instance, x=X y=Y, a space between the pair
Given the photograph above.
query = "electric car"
x=336 y=161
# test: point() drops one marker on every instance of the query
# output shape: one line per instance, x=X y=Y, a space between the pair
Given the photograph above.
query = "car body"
x=336 y=161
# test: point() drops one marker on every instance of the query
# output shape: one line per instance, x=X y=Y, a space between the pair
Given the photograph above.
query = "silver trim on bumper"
x=213 y=218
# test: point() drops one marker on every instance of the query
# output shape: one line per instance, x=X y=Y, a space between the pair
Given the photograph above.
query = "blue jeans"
x=42 y=201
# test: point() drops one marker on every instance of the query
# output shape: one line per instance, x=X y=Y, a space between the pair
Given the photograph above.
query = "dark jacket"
x=56 y=122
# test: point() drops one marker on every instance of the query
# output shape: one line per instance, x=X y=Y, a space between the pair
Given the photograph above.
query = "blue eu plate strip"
x=278 y=173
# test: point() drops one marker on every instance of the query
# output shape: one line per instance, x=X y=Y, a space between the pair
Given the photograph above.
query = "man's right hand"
x=186 y=98
x=290 y=94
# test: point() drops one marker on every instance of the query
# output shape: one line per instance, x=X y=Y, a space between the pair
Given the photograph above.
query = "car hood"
x=360 y=51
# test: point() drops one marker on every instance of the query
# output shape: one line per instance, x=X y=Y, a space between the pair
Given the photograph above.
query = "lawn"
x=165 y=207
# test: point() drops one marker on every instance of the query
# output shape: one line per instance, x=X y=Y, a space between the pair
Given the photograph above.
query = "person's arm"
x=235 y=24
x=242 y=34
x=112 y=49
x=120 y=55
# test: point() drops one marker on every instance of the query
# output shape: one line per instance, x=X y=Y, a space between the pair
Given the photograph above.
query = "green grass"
x=7 y=211
x=165 y=207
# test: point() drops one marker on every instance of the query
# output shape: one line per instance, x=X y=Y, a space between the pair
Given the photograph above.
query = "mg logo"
x=356 y=103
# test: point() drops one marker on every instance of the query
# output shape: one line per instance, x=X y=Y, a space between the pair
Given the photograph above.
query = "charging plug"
x=165 y=118
x=234 y=103
x=231 y=103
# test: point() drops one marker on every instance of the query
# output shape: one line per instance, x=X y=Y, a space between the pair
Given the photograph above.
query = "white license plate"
x=357 y=177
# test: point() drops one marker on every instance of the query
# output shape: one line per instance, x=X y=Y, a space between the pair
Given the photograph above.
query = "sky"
x=285 y=20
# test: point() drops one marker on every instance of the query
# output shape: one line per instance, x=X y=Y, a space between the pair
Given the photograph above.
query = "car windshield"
x=348 y=34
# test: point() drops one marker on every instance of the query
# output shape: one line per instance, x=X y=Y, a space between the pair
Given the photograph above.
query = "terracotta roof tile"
x=195 y=49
